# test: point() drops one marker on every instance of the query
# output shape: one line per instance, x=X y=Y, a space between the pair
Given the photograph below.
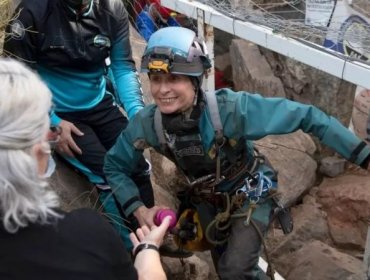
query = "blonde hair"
x=24 y=105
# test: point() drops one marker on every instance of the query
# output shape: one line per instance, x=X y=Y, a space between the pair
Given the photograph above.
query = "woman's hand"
x=66 y=145
x=145 y=216
x=153 y=236
x=147 y=261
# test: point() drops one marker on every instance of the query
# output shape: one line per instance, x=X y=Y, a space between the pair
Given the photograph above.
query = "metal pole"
x=367 y=252
x=206 y=33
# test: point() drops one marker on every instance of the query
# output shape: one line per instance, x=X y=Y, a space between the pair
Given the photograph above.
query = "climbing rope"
x=223 y=222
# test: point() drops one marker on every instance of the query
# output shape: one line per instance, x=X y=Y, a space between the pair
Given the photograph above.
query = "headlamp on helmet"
x=160 y=60
x=185 y=54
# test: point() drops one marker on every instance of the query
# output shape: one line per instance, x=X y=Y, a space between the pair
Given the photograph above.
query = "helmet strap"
x=196 y=87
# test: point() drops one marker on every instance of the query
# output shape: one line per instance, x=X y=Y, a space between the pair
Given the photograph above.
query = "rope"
x=222 y=222
x=221 y=218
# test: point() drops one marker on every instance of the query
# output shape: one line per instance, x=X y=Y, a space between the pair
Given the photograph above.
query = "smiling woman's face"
x=172 y=93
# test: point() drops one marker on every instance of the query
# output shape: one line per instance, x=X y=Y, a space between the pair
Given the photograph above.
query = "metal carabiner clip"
x=243 y=189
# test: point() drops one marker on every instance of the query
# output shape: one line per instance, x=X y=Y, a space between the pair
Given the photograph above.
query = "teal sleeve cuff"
x=54 y=119
x=362 y=155
x=345 y=142
x=133 y=111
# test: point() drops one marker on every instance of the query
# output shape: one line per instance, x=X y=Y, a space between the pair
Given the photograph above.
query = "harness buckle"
x=207 y=186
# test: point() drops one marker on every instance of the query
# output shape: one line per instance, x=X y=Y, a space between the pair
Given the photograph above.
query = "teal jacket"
x=245 y=117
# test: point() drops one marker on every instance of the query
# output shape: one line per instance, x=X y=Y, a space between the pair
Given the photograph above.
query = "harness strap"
x=215 y=116
x=217 y=126
x=159 y=129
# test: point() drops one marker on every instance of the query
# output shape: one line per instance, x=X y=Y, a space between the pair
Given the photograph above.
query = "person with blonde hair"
x=37 y=239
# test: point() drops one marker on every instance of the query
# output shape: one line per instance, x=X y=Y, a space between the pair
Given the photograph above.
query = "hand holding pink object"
x=162 y=213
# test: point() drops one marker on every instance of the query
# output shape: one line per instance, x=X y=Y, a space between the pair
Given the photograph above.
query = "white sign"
x=318 y=12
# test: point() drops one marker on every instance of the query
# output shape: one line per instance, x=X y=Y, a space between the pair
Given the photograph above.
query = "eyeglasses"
x=53 y=136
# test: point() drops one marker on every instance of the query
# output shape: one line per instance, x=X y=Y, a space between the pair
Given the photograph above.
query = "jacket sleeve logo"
x=17 y=30
x=102 y=41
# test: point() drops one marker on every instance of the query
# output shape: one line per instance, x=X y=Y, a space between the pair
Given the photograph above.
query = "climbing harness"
x=254 y=189
x=257 y=187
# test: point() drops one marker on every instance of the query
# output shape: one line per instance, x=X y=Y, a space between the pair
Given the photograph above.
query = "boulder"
x=251 y=71
x=317 y=260
x=309 y=224
x=192 y=268
x=346 y=199
x=291 y=156
x=332 y=166
x=311 y=86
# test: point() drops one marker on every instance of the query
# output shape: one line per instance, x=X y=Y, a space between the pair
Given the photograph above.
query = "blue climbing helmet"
x=175 y=50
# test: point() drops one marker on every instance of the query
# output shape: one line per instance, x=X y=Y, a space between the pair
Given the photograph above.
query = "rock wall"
x=256 y=69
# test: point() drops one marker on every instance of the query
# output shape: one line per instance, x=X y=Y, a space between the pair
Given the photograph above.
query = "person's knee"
x=240 y=260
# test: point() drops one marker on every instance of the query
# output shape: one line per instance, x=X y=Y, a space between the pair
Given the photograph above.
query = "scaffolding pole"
x=367 y=252
x=205 y=32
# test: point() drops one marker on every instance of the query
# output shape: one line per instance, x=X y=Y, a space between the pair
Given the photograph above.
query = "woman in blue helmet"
x=214 y=149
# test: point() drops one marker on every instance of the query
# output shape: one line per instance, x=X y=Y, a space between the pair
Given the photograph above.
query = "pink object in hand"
x=162 y=213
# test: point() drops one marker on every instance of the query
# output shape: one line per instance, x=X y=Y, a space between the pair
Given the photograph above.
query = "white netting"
x=339 y=25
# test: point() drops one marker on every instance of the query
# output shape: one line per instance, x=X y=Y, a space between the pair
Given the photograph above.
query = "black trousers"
x=101 y=126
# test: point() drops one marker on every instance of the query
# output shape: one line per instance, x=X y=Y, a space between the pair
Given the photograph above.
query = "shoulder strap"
x=215 y=115
x=159 y=129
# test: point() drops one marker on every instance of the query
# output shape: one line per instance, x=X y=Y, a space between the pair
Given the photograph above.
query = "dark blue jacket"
x=70 y=51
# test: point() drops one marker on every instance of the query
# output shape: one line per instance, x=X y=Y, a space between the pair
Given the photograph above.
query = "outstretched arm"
x=147 y=261
x=267 y=116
